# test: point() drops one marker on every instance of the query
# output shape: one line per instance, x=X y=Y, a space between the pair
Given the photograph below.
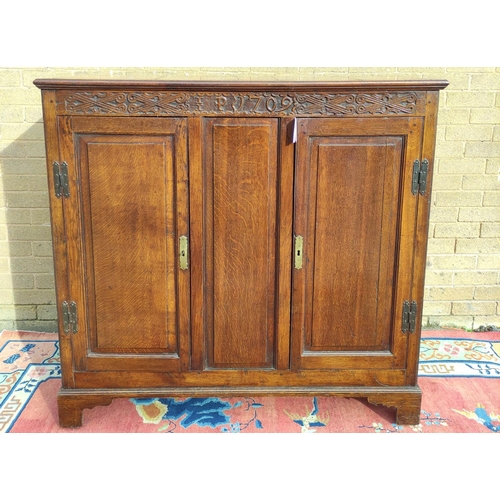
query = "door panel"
x=349 y=210
x=240 y=217
x=132 y=299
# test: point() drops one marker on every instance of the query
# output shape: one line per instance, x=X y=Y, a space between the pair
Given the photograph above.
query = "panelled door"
x=354 y=225
x=127 y=238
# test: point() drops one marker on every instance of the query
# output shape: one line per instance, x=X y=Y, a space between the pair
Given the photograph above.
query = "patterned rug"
x=459 y=375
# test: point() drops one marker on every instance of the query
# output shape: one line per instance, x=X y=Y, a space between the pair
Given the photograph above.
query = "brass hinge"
x=299 y=243
x=61 y=182
x=419 y=177
x=409 y=320
x=70 y=317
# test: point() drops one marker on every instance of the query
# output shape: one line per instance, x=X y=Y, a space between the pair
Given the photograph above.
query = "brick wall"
x=463 y=272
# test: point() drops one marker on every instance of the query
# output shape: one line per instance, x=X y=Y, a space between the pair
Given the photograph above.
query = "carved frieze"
x=169 y=103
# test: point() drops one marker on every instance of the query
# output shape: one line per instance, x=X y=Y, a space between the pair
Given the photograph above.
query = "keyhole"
x=298 y=253
x=183 y=253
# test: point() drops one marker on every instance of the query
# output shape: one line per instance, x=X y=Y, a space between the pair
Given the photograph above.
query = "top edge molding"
x=227 y=85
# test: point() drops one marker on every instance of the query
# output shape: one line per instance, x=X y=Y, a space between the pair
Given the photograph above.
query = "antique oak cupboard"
x=232 y=238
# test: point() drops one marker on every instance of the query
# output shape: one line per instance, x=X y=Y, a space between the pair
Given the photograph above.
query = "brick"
x=474 y=308
x=4 y=266
x=28 y=199
x=10 y=78
x=490 y=81
x=28 y=75
x=486 y=214
x=475 y=278
x=15 y=248
x=470 y=99
x=438 y=277
x=29 y=233
x=458 y=199
x=493 y=166
x=488 y=261
x=473 y=69
x=478 y=245
x=44 y=281
x=437 y=308
x=32 y=265
x=9 y=149
x=462 y=165
x=16 y=281
x=446 y=262
x=481 y=182
x=23 y=166
x=482 y=149
x=443 y=182
x=469 y=132
x=8 y=325
x=455 y=116
x=6 y=296
x=15 y=183
x=491 y=199
x=11 y=114
x=489 y=230
x=450 y=149
x=441 y=245
x=17 y=312
x=449 y=293
x=35 y=297
x=46 y=312
x=14 y=216
x=376 y=69
x=33 y=114
x=452 y=321
x=496 y=134
x=37 y=183
x=20 y=95
x=487 y=293
x=22 y=131
x=40 y=216
x=35 y=149
x=485 y=115
x=440 y=133
x=49 y=326
x=443 y=214
x=458 y=230
x=486 y=321
x=3 y=233
x=42 y=249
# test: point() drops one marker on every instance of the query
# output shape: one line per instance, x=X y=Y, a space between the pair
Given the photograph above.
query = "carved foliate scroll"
x=169 y=103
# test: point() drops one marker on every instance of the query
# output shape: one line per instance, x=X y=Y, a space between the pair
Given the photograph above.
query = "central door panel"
x=240 y=213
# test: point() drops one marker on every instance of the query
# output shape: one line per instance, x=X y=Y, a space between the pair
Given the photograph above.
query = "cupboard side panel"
x=53 y=154
x=421 y=234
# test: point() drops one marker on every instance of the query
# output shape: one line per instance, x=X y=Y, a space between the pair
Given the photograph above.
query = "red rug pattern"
x=459 y=377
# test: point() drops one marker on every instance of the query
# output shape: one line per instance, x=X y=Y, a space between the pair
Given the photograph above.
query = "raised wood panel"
x=241 y=158
x=354 y=193
x=131 y=198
